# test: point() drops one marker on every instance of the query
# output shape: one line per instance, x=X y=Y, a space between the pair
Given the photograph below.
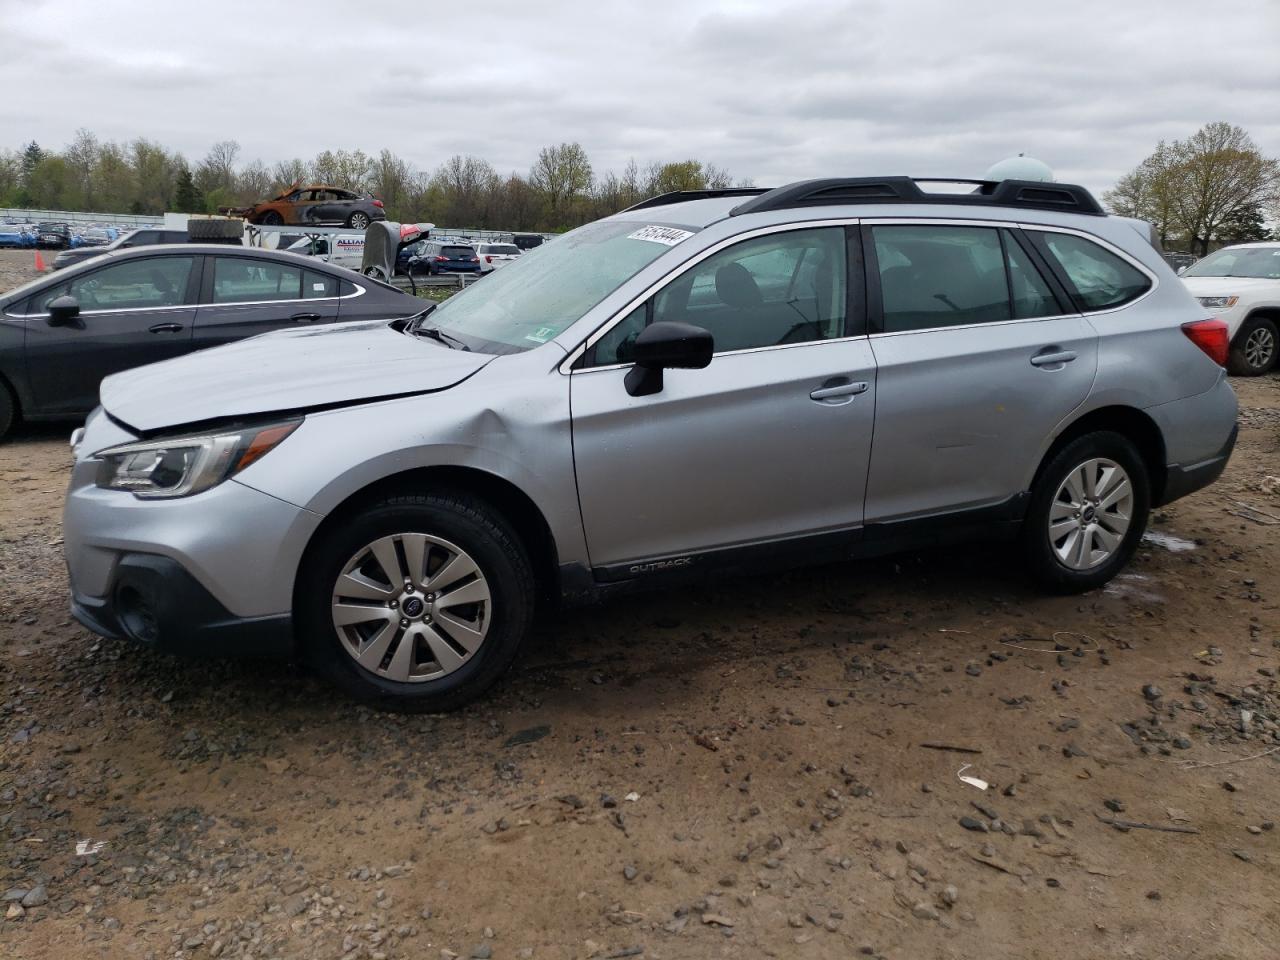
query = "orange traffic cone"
x=39 y=263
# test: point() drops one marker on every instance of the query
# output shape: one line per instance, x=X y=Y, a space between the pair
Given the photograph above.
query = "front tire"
x=1088 y=511
x=1253 y=351
x=271 y=219
x=418 y=603
x=358 y=221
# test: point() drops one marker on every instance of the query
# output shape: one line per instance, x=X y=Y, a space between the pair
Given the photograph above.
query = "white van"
x=348 y=249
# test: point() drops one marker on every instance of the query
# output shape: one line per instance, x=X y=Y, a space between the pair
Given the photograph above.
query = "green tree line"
x=1213 y=188
x=562 y=188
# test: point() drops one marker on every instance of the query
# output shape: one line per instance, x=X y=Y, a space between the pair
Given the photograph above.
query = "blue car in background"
x=445 y=256
x=17 y=235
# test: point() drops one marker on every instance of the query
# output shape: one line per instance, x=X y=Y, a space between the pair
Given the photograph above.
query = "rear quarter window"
x=1096 y=278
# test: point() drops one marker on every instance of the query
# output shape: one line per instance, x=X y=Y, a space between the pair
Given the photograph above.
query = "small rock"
x=1115 y=806
x=1152 y=692
x=37 y=896
x=1251 y=828
x=15 y=912
x=973 y=670
x=922 y=911
x=973 y=823
x=607 y=801
x=715 y=919
x=1242 y=855
x=1153 y=894
x=950 y=895
x=1228 y=786
x=481 y=952
x=630 y=872
x=1182 y=743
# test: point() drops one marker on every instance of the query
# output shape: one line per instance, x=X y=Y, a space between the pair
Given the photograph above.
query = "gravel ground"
x=765 y=768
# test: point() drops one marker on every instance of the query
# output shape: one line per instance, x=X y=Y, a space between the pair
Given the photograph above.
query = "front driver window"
x=764 y=292
x=138 y=284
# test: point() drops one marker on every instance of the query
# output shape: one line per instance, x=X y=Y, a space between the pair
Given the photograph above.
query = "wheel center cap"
x=1089 y=514
x=413 y=607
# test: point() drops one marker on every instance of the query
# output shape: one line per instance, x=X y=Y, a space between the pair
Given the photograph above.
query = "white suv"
x=495 y=255
x=1241 y=285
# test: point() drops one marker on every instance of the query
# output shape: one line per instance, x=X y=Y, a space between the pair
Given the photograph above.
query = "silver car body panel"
x=285 y=370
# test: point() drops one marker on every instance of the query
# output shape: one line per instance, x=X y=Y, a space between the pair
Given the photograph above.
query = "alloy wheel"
x=1090 y=514
x=411 y=607
x=359 y=221
x=1260 y=348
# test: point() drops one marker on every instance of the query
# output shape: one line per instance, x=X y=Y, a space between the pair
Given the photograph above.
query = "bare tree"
x=561 y=174
x=1147 y=192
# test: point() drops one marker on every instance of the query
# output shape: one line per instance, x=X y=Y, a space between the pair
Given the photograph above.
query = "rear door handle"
x=166 y=328
x=1051 y=357
x=841 y=392
x=305 y=317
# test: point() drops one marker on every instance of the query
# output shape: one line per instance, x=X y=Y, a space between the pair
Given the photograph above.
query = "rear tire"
x=1087 y=513
x=271 y=219
x=1253 y=351
x=455 y=650
x=358 y=221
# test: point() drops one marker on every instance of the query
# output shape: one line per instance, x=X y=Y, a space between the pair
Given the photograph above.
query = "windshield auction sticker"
x=667 y=236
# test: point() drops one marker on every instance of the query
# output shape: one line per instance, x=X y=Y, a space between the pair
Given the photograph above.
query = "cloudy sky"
x=773 y=91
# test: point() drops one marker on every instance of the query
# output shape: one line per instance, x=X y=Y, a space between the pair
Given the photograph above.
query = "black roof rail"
x=680 y=196
x=836 y=191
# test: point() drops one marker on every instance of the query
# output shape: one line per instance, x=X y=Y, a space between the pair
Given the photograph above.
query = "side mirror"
x=63 y=310
x=664 y=345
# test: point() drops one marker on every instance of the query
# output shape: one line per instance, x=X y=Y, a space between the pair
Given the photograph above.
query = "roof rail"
x=680 y=196
x=836 y=191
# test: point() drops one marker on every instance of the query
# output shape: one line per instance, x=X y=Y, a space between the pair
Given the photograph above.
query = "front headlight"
x=181 y=466
x=1218 y=303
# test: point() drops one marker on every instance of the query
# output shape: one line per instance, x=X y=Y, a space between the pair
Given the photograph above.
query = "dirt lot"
x=736 y=772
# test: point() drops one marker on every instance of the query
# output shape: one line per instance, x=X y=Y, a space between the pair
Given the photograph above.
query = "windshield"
x=1261 y=263
x=545 y=290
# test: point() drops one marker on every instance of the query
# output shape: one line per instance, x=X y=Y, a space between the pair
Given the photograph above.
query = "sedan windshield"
x=550 y=287
x=1261 y=263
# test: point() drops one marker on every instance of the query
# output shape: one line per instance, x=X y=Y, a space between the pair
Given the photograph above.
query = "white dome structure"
x=1020 y=167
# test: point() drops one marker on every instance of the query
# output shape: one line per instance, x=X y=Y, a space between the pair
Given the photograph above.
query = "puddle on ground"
x=1168 y=541
x=1133 y=587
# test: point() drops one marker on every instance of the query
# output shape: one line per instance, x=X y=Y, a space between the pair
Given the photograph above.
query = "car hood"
x=287 y=370
x=1226 y=286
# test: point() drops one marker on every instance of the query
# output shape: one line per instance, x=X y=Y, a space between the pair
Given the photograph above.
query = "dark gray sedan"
x=61 y=334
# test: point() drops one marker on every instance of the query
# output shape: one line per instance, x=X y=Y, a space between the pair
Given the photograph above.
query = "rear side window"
x=319 y=285
x=241 y=280
x=935 y=276
x=1097 y=278
x=940 y=276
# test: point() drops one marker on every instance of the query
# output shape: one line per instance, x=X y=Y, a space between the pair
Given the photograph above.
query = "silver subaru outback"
x=729 y=379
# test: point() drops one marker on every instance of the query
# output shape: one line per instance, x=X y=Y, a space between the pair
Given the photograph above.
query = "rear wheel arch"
x=511 y=503
x=1129 y=422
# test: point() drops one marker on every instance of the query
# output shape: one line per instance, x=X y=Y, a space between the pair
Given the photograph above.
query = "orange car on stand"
x=314 y=205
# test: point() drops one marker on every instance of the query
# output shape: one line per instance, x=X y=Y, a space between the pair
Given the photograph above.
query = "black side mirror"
x=63 y=310
x=664 y=345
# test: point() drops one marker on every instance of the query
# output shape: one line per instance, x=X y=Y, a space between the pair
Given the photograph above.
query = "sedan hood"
x=288 y=370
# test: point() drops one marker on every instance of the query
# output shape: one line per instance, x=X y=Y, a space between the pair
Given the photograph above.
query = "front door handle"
x=166 y=328
x=1052 y=356
x=305 y=317
x=838 y=390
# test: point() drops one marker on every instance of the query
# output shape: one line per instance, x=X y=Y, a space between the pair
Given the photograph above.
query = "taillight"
x=1210 y=336
x=377 y=203
x=488 y=259
x=442 y=259
x=476 y=260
